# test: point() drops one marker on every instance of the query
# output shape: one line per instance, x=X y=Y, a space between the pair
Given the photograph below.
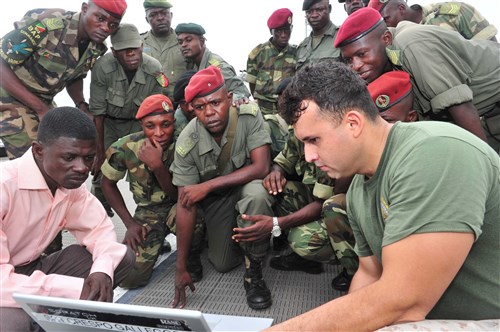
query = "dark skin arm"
x=256 y=170
x=465 y=115
x=100 y=153
x=150 y=154
x=75 y=91
x=14 y=87
x=184 y=233
x=97 y=287
x=136 y=233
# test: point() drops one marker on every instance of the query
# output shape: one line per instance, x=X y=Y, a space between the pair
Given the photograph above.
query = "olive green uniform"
x=43 y=53
x=167 y=51
x=195 y=161
x=153 y=204
x=330 y=239
x=458 y=71
x=315 y=48
x=266 y=68
x=233 y=82
x=458 y=16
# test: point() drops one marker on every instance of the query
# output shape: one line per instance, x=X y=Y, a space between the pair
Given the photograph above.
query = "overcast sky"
x=233 y=27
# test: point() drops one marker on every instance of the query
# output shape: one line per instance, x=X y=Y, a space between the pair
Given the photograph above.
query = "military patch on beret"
x=18 y=45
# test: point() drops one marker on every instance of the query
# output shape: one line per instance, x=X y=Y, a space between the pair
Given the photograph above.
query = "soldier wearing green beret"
x=120 y=81
x=318 y=45
x=161 y=41
x=192 y=42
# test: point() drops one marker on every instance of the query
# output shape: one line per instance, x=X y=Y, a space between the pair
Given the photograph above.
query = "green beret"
x=191 y=28
x=156 y=4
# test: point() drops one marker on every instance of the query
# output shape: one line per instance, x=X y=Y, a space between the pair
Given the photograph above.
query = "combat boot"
x=258 y=295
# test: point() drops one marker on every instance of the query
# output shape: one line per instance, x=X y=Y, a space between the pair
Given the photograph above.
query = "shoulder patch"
x=251 y=108
x=161 y=79
x=187 y=144
x=394 y=56
x=214 y=62
x=449 y=8
x=53 y=23
x=255 y=52
x=18 y=45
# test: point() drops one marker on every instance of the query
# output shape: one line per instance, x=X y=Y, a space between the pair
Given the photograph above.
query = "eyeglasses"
x=318 y=10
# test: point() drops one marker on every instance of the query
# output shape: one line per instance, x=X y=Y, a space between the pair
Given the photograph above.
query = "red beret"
x=116 y=7
x=279 y=18
x=154 y=104
x=357 y=25
x=203 y=83
x=389 y=89
x=378 y=4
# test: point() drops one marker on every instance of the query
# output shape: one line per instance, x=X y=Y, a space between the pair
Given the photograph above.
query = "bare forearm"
x=184 y=226
x=75 y=90
x=116 y=201
x=466 y=116
x=165 y=180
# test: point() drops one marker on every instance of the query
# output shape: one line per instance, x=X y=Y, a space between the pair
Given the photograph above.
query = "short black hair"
x=65 y=122
x=333 y=86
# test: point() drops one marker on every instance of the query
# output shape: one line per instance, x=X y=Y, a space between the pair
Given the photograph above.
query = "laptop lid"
x=61 y=314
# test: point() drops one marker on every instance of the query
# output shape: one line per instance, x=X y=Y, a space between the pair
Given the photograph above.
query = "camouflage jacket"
x=167 y=51
x=233 y=82
x=458 y=16
x=306 y=53
x=293 y=161
x=111 y=93
x=266 y=67
x=122 y=159
x=43 y=51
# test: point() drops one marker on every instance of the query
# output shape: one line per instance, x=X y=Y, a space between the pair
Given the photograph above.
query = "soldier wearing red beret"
x=267 y=65
x=392 y=94
x=220 y=159
x=454 y=79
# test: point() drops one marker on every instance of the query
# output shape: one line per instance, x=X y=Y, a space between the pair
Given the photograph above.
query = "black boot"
x=194 y=267
x=342 y=281
x=258 y=295
x=294 y=262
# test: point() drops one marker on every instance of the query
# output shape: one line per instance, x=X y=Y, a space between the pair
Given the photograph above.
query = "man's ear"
x=354 y=122
x=37 y=149
x=387 y=38
x=412 y=116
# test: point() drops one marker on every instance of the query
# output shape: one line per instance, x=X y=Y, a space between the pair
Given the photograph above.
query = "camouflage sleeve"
x=252 y=69
x=473 y=25
x=290 y=156
x=18 y=45
x=114 y=167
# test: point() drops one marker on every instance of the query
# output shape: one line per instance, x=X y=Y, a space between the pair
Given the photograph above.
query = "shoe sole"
x=260 y=306
x=309 y=271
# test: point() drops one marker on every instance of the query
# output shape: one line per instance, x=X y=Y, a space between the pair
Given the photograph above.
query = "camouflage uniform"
x=310 y=50
x=233 y=82
x=458 y=16
x=117 y=100
x=167 y=51
x=266 y=68
x=180 y=122
x=43 y=53
x=153 y=205
x=327 y=240
x=195 y=161
x=459 y=71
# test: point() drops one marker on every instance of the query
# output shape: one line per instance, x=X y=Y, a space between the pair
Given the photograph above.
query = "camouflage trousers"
x=18 y=126
x=328 y=240
x=154 y=219
x=278 y=130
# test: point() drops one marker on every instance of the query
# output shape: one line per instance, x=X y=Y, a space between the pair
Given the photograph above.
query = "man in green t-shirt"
x=423 y=205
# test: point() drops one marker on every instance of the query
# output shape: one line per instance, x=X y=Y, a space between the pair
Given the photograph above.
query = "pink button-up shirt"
x=31 y=218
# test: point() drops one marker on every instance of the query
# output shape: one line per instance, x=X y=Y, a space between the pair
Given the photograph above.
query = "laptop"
x=61 y=314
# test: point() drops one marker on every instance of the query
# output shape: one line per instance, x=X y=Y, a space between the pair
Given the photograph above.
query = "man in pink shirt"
x=42 y=193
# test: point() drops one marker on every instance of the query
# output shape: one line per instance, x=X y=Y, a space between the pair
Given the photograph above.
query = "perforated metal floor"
x=293 y=292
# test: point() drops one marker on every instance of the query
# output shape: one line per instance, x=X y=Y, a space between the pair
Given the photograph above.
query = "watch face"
x=276 y=231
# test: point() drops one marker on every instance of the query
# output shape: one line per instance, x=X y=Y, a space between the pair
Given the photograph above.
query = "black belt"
x=122 y=119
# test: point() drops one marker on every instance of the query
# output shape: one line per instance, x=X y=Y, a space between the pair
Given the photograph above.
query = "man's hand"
x=150 y=154
x=182 y=279
x=260 y=230
x=135 y=237
x=274 y=182
x=97 y=287
x=241 y=101
x=193 y=194
x=96 y=166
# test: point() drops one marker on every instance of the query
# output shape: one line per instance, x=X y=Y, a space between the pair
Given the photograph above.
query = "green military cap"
x=127 y=36
x=192 y=28
x=156 y=4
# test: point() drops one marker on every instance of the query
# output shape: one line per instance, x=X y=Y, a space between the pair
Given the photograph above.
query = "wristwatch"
x=276 y=231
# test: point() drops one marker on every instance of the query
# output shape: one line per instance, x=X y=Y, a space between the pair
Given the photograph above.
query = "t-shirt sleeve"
x=429 y=193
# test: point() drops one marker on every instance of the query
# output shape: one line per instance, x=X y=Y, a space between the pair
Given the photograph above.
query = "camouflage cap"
x=156 y=4
x=191 y=28
x=127 y=36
